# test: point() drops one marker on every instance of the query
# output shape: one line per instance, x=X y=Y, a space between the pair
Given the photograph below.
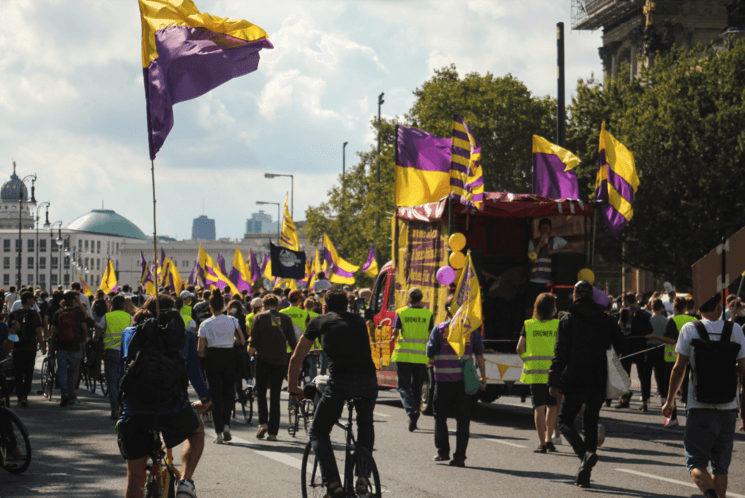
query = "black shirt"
x=345 y=341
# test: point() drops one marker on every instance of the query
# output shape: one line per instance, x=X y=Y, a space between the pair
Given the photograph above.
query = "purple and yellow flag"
x=185 y=54
x=212 y=274
x=340 y=270
x=370 y=268
x=616 y=183
x=221 y=263
x=289 y=237
x=422 y=167
x=192 y=280
x=253 y=266
x=84 y=286
x=466 y=175
x=552 y=171
x=239 y=273
x=465 y=308
x=108 y=280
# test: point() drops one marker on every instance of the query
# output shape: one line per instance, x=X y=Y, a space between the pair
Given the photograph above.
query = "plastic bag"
x=618 y=382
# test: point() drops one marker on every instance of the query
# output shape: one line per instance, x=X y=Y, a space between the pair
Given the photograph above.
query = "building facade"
x=261 y=222
x=203 y=228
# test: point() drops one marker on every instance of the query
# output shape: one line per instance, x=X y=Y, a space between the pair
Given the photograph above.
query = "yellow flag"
x=212 y=273
x=84 y=287
x=289 y=232
x=172 y=277
x=466 y=309
x=108 y=281
x=342 y=271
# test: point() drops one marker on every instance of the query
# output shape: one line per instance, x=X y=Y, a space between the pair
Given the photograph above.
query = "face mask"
x=233 y=311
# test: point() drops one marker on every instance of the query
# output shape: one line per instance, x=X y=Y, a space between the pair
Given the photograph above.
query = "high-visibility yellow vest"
x=680 y=320
x=411 y=346
x=186 y=310
x=116 y=322
x=299 y=319
x=311 y=316
x=186 y=319
x=540 y=341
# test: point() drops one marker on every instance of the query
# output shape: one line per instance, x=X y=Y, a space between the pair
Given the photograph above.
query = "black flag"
x=287 y=263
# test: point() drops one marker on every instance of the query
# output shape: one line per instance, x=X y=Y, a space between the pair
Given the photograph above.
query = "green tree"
x=684 y=121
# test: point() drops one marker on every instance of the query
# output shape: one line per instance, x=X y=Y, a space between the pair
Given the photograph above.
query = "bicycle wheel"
x=104 y=384
x=15 y=448
x=365 y=468
x=307 y=411
x=292 y=414
x=48 y=378
x=44 y=368
x=248 y=405
x=310 y=477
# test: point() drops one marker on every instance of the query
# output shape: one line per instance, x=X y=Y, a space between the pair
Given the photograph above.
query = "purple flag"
x=264 y=262
x=162 y=257
x=192 y=280
x=221 y=263
x=370 y=259
x=256 y=271
x=553 y=174
x=143 y=267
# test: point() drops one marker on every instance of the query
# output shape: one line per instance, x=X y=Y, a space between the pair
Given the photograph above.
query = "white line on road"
x=380 y=414
x=494 y=440
x=274 y=455
x=672 y=481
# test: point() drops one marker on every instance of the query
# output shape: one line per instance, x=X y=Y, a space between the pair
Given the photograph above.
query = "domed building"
x=106 y=222
x=10 y=203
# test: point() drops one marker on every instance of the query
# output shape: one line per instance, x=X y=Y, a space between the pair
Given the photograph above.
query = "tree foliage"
x=684 y=121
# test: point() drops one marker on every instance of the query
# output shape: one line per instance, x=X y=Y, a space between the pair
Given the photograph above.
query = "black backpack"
x=155 y=372
x=715 y=375
x=27 y=332
x=638 y=324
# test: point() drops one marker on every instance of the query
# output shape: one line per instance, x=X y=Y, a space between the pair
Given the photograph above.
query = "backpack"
x=99 y=307
x=155 y=372
x=67 y=325
x=27 y=333
x=715 y=375
x=638 y=324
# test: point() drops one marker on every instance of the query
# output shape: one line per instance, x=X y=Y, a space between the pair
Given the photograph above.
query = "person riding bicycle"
x=174 y=417
x=345 y=340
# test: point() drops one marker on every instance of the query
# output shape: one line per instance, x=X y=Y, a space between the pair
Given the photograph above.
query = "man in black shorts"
x=139 y=425
x=345 y=340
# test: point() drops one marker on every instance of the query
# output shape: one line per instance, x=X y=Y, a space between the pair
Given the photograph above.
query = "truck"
x=497 y=238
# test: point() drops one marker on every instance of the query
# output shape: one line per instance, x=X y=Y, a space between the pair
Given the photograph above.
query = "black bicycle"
x=48 y=374
x=358 y=462
x=297 y=409
x=15 y=447
x=245 y=396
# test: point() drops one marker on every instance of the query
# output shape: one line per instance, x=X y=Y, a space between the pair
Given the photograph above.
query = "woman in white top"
x=217 y=335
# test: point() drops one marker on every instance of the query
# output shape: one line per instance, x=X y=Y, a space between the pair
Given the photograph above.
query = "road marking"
x=672 y=481
x=274 y=455
x=380 y=414
x=494 y=440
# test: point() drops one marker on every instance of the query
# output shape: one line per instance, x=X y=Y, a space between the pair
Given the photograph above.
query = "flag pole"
x=594 y=231
x=155 y=236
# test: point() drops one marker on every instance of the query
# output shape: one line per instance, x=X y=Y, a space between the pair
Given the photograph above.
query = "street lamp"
x=343 y=161
x=52 y=245
x=377 y=174
x=46 y=226
x=292 y=191
x=70 y=254
x=20 y=219
x=276 y=204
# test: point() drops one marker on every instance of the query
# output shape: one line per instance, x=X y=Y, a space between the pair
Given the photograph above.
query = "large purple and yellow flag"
x=422 y=167
x=253 y=266
x=553 y=174
x=239 y=273
x=185 y=54
x=371 y=265
x=465 y=308
x=616 y=183
x=341 y=271
x=466 y=175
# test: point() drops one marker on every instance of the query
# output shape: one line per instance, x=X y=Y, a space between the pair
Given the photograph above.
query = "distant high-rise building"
x=261 y=223
x=203 y=228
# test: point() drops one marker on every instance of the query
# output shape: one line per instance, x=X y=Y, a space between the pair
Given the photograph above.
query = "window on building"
x=42 y=245
x=80 y=245
x=42 y=263
x=67 y=262
x=108 y=248
x=30 y=245
x=117 y=247
x=6 y=245
x=66 y=244
x=98 y=247
x=53 y=245
x=30 y=263
x=98 y=263
x=85 y=263
x=18 y=262
x=116 y=265
x=30 y=280
x=54 y=262
x=43 y=281
x=6 y=263
x=6 y=279
x=53 y=279
x=66 y=279
x=86 y=246
x=18 y=245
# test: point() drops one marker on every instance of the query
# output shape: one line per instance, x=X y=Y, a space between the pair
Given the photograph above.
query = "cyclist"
x=345 y=340
x=180 y=423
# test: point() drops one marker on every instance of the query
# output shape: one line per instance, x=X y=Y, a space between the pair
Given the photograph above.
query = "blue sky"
x=72 y=104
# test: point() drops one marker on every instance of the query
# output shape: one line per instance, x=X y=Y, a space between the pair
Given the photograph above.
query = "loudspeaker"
x=565 y=266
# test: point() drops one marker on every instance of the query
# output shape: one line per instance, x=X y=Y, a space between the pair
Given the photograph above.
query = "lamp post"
x=377 y=173
x=292 y=191
x=343 y=161
x=20 y=220
x=46 y=225
x=52 y=245
x=59 y=241
x=68 y=252
x=276 y=204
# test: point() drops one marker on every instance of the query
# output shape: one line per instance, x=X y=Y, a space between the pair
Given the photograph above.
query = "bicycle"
x=48 y=374
x=12 y=431
x=245 y=396
x=358 y=462
x=160 y=477
x=296 y=409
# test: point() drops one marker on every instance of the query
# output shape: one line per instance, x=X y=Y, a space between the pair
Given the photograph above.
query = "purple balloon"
x=446 y=275
x=600 y=297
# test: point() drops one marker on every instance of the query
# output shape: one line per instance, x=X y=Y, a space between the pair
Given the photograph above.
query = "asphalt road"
x=75 y=455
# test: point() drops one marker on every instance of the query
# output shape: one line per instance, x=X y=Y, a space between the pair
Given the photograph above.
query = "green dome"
x=106 y=221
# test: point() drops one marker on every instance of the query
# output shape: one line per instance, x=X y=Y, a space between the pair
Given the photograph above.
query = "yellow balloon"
x=532 y=256
x=457 y=260
x=457 y=242
x=586 y=274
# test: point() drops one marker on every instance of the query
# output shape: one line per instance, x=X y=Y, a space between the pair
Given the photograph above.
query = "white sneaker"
x=556 y=439
x=219 y=439
x=271 y=437
x=671 y=422
x=186 y=489
x=226 y=434
x=601 y=435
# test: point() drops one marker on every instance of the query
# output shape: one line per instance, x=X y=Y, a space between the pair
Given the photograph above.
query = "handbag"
x=471 y=381
x=618 y=382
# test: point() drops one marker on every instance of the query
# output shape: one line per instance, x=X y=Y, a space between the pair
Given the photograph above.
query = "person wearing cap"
x=579 y=370
x=186 y=297
x=411 y=329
